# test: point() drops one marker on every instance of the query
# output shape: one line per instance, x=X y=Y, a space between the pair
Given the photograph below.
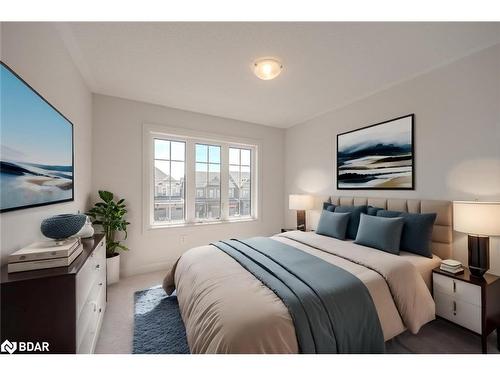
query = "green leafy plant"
x=110 y=215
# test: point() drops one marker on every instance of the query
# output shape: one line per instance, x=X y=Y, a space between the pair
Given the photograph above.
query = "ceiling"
x=206 y=67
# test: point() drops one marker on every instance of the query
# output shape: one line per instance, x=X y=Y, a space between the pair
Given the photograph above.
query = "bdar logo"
x=24 y=346
x=8 y=346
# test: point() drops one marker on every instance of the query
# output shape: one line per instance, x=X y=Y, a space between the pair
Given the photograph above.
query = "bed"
x=226 y=309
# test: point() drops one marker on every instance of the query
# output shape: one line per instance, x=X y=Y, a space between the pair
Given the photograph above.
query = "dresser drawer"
x=90 y=322
x=100 y=252
x=92 y=304
x=87 y=278
x=462 y=313
x=459 y=290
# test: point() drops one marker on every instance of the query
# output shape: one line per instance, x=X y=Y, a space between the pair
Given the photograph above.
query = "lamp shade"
x=300 y=202
x=477 y=218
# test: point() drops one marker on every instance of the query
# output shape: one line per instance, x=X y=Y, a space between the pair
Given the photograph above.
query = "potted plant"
x=110 y=215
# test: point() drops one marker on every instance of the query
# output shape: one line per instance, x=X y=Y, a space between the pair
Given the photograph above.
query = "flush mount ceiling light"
x=267 y=69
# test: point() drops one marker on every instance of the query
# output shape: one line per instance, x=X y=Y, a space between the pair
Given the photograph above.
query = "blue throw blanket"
x=332 y=310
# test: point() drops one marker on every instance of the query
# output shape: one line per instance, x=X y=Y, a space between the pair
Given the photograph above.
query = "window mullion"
x=224 y=182
x=190 y=169
x=169 y=203
x=240 y=184
x=207 y=186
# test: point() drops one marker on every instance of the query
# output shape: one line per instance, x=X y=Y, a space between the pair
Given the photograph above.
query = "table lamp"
x=479 y=220
x=301 y=203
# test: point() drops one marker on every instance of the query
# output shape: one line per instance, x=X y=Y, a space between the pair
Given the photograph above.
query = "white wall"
x=457 y=138
x=36 y=52
x=117 y=167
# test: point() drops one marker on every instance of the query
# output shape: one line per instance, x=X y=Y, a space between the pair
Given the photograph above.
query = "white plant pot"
x=113 y=269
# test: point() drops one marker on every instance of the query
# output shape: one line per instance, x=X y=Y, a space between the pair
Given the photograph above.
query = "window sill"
x=201 y=224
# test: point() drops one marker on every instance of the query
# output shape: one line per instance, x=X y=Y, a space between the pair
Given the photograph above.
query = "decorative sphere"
x=59 y=227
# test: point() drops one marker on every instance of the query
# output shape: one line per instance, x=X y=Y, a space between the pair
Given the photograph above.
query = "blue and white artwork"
x=36 y=147
x=377 y=157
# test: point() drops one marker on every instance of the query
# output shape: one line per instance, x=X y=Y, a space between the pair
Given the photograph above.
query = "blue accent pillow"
x=417 y=231
x=373 y=210
x=328 y=206
x=381 y=233
x=333 y=224
x=355 y=211
x=388 y=213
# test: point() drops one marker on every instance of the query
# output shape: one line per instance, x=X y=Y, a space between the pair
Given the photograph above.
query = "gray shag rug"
x=158 y=326
x=159 y=329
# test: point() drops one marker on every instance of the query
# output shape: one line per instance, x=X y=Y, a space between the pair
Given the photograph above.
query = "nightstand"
x=471 y=302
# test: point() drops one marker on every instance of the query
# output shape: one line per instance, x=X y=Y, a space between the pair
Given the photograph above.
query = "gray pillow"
x=388 y=213
x=328 y=206
x=333 y=224
x=373 y=210
x=381 y=233
x=417 y=231
x=355 y=211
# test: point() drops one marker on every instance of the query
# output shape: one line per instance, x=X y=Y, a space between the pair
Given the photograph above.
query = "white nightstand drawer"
x=457 y=289
x=462 y=313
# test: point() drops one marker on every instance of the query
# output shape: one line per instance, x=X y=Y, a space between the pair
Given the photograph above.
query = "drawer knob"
x=454 y=286
x=97 y=266
x=454 y=308
x=100 y=284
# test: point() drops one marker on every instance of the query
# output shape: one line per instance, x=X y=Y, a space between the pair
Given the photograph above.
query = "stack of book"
x=45 y=254
x=451 y=266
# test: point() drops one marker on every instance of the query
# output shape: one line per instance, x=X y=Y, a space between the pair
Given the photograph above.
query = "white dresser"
x=91 y=299
x=62 y=306
x=471 y=302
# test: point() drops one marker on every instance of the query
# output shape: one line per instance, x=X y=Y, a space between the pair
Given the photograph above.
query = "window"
x=196 y=179
x=208 y=186
x=239 y=182
x=169 y=181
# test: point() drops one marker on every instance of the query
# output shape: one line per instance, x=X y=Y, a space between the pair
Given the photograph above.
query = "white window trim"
x=152 y=131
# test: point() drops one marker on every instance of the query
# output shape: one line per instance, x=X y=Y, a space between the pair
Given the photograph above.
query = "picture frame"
x=380 y=156
x=30 y=172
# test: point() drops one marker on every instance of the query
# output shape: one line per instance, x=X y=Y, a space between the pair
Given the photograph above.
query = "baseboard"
x=147 y=268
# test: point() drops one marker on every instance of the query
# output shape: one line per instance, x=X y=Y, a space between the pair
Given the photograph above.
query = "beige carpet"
x=118 y=324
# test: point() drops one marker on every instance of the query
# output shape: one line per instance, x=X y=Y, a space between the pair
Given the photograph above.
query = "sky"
x=31 y=130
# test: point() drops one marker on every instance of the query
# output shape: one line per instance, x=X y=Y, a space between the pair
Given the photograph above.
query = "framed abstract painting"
x=36 y=147
x=377 y=157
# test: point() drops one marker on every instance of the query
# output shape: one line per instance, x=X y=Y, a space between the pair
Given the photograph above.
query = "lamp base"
x=301 y=220
x=479 y=255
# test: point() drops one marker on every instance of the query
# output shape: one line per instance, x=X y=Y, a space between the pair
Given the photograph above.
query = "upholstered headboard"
x=442 y=232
